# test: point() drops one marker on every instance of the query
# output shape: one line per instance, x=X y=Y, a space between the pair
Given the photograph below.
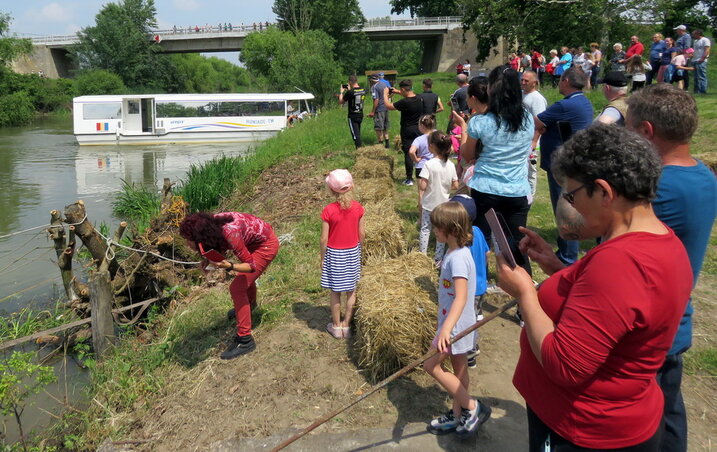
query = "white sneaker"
x=408 y=182
x=494 y=289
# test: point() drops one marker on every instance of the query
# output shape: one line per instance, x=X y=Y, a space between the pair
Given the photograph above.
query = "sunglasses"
x=570 y=195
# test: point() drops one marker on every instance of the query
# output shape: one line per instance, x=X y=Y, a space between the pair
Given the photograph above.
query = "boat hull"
x=103 y=139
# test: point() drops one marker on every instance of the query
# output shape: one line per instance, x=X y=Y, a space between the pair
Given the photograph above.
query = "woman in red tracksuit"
x=253 y=242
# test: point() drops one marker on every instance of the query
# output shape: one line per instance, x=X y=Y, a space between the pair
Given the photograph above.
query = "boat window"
x=107 y=110
x=214 y=109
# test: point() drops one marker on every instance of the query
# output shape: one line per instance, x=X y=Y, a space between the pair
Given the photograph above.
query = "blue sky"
x=60 y=17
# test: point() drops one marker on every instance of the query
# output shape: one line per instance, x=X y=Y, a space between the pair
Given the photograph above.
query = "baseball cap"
x=680 y=27
x=373 y=77
x=468 y=204
x=690 y=50
x=339 y=181
x=381 y=74
x=614 y=78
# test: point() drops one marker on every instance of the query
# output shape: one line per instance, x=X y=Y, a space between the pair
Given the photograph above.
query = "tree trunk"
x=64 y=250
x=166 y=195
x=103 y=334
x=96 y=245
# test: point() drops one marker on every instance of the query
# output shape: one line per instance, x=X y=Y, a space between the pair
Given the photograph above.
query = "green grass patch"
x=702 y=361
x=28 y=321
x=136 y=203
x=209 y=182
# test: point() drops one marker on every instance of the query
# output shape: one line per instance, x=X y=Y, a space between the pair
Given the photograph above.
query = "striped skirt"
x=342 y=269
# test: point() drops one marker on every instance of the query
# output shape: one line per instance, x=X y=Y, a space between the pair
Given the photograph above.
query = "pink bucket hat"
x=340 y=181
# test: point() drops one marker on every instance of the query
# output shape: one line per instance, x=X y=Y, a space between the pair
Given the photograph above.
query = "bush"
x=16 y=109
x=99 y=81
x=210 y=182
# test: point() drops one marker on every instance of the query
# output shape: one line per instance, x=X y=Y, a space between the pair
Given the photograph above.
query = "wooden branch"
x=129 y=277
x=77 y=215
x=64 y=261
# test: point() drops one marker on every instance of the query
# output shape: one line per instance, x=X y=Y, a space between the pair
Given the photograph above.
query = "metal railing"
x=243 y=29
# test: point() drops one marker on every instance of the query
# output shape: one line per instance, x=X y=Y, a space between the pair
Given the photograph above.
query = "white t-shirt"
x=440 y=176
x=700 y=45
x=535 y=103
x=457 y=264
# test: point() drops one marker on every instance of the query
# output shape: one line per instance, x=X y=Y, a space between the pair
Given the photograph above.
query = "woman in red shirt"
x=597 y=332
x=254 y=244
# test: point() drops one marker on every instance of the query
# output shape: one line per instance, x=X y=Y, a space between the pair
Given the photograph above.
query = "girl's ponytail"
x=442 y=143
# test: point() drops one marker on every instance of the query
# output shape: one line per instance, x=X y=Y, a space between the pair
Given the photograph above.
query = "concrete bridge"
x=443 y=38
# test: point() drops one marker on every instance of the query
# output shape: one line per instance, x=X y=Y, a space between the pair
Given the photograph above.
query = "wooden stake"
x=96 y=245
x=103 y=334
x=64 y=261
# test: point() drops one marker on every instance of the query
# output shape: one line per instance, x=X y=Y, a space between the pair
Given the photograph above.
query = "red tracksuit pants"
x=243 y=288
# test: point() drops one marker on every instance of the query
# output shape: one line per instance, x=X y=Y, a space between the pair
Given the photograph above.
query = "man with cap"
x=614 y=88
x=379 y=112
x=684 y=42
x=699 y=61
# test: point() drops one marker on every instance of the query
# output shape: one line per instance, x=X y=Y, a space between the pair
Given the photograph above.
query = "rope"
x=29 y=288
x=19 y=259
x=112 y=242
x=80 y=222
x=29 y=261
x=24 y=231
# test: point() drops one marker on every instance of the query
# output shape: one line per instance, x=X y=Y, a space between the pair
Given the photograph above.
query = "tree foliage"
x=99 y=82
x=426 y=8
x=11 y=47
x=287 y=61
x=333 y=17
x=120 y=42
x=199 y=74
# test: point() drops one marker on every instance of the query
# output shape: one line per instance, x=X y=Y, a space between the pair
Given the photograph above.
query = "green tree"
x=16 y=109
x=199 y=74
x=20 y=378
x=426 y=8
x=120 y=42
x=333 y=17
x=99 y=81
x=287 y=61
x=10 y=47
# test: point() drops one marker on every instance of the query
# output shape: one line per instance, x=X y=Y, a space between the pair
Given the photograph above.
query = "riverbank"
x=165 y=388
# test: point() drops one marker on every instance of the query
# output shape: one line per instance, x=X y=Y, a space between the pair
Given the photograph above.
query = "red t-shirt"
x=616 y=312
x=343 y=224
x=245 y=234
x=635 y=49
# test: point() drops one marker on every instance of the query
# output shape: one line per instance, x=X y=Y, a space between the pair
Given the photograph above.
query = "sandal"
x=346 y=332
x=335 y=331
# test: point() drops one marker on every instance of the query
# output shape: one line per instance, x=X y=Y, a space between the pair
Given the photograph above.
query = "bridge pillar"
x=53 y=63
x=445 y=52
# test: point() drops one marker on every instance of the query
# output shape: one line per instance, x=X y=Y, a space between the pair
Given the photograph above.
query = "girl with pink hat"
x=342 y=232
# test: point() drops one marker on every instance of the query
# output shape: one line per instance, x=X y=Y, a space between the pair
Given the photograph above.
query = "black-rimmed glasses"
x=570 y=195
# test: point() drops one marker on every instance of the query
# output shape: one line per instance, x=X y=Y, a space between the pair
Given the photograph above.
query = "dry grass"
x=374 y=190
x=396 y=313
x=709 y=159
x=366 y=168
x=384 y=232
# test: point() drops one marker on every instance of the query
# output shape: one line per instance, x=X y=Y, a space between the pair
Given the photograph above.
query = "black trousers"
x=407 y=137
x=541 y=439
x=513 y=209
x=355 y=129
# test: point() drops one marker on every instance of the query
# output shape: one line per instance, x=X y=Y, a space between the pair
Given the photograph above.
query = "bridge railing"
x=196 y=31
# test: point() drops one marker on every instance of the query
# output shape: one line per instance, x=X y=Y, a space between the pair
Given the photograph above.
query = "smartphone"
x=345 y=86
x=454 y=104
x=503 y=241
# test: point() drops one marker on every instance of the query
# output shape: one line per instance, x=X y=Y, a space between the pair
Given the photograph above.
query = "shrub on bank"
x=16 y=109
x=99 y=82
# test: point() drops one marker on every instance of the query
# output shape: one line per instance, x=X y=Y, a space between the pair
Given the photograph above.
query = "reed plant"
x=136 y=202
x=209 y=182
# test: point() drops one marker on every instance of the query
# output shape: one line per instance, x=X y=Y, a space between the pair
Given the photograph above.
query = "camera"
x=345 y=86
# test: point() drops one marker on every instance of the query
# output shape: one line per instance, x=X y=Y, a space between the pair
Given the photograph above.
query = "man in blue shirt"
x=657 y=48
x=686 y=202
x=557 y=124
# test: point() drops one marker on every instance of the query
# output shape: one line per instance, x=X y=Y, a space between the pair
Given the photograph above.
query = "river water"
x=42 y=168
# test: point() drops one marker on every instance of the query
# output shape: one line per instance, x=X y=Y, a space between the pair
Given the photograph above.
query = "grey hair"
x=575 y=77
x=622 y=158
x=671 y=111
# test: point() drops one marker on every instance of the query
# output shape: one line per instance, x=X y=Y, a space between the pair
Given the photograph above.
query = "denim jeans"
x=669 y=377
x=567 y=249
x=700 y=77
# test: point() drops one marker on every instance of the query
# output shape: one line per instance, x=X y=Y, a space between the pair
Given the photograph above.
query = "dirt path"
x=299 y=372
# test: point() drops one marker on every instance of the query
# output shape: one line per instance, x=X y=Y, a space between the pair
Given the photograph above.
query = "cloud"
x=186 y=5
x=53 y=12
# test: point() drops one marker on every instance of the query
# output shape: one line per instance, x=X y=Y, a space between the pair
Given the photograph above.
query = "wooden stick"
x=67 y=326
x=396 y=375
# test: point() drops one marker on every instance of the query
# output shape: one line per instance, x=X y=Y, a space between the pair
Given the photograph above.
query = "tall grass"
x=209 y=182
x=136 y=202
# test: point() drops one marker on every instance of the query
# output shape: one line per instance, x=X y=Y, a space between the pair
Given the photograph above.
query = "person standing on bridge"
x=354 y=95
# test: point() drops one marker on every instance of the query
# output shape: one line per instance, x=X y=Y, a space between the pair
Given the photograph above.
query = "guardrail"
x=218 y=30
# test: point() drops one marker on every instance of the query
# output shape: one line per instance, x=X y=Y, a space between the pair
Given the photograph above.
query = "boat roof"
x=199 y=97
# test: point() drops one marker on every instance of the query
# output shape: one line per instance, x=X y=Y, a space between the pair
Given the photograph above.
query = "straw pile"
x=374 y=190
x=365 y=168
x=384 y=233
x=396 y=313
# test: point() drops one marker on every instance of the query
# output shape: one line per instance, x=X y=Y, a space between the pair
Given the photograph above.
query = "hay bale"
x=710 y=160
x=374 y=190
x=366 y=168
x=377 y=151
x=395 y=313
x=384 y=231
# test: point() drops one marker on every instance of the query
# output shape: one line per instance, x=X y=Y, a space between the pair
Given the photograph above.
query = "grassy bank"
x=164 y=353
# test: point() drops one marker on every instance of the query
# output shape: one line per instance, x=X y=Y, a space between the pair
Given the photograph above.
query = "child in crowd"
x=638 y=69
x=479 y=252
x=681 y=66
x=456 y=312
x=419 y=151
x=342 y=232
x=437 y=178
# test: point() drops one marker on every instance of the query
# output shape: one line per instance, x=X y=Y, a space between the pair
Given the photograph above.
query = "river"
x=42 y=168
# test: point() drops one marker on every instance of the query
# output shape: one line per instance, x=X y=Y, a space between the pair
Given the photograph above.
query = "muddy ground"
x=299 y=372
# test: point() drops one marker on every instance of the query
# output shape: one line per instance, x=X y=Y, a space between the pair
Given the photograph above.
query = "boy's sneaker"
x=471 y=420
x=479 y=307
x=473 y=356
x=239 y=345
x=408 y=182
x=443 y=424
x=494 y=289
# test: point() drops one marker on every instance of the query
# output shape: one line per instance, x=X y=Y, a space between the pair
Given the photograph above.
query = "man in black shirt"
x=431 y=102
x=353 y=94
x=411 y=108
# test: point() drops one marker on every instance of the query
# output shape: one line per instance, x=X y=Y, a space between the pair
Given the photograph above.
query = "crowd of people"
x=605 y=332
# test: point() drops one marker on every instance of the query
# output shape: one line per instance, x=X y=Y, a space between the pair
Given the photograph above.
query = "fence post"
x=103 y=334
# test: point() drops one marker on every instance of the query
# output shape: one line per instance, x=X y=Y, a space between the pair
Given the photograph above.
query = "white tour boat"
x=184 y=118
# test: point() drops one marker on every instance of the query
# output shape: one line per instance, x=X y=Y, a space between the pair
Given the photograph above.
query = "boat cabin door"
x=138 y=116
